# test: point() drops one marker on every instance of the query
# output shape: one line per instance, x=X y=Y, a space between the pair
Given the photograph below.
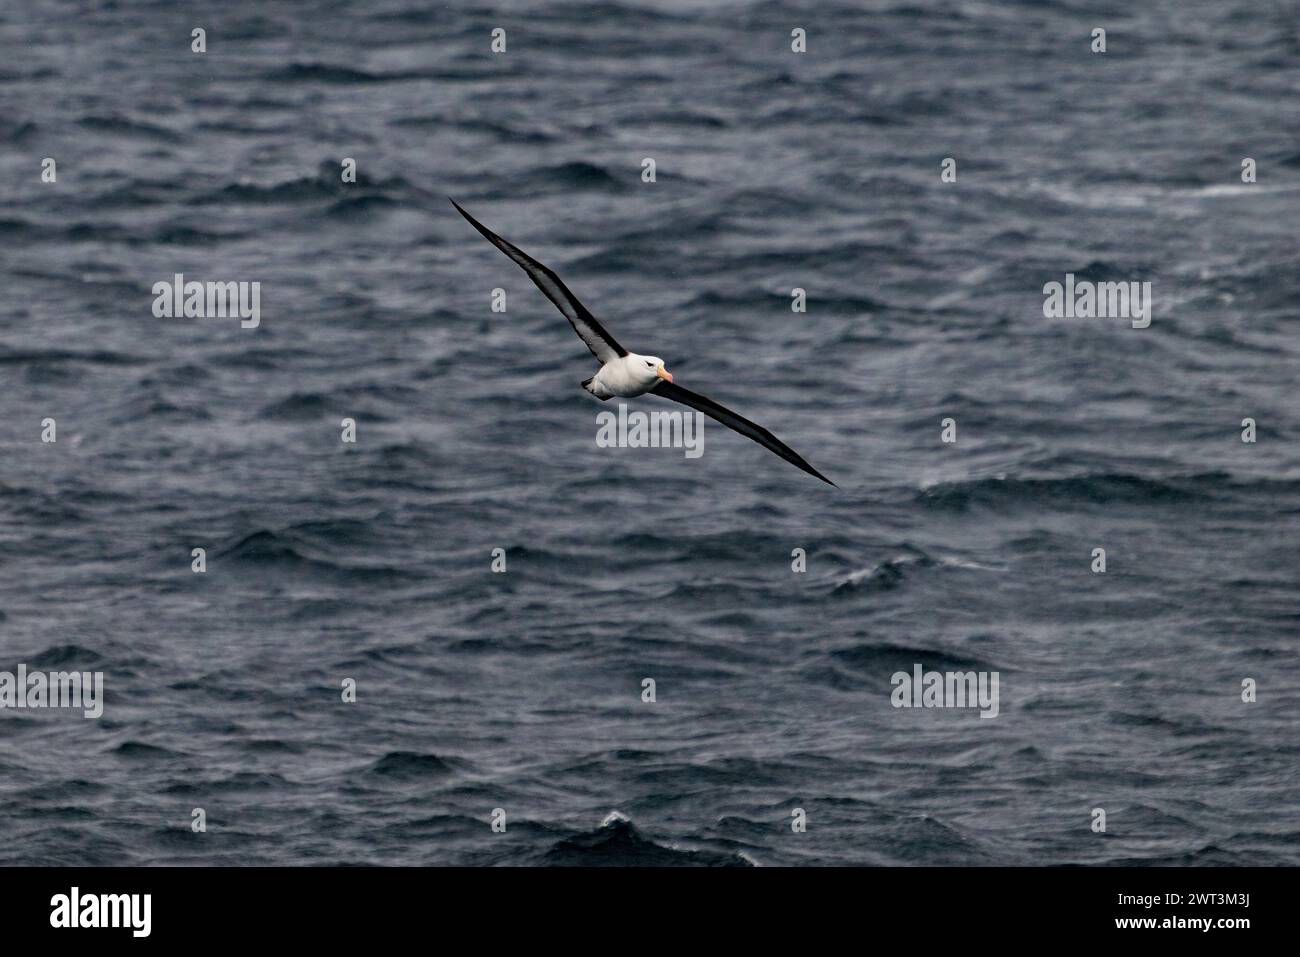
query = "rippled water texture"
x=522 y=691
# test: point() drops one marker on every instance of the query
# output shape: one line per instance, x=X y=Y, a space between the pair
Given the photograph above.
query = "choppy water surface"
x=522 y=690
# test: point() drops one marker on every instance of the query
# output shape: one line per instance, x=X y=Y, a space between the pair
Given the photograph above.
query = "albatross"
x=629 y=374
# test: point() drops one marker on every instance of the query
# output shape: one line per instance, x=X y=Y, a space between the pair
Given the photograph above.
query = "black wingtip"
x=483 y=230
x=813 y=471
x=803 y=465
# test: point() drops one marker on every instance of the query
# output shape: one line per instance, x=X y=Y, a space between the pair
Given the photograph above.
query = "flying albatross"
x=625 y=373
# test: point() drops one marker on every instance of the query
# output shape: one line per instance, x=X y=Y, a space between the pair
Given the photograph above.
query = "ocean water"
x=522 y=690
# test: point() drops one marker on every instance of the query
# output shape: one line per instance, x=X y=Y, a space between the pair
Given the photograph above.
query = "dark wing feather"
x=736 y=423
x=602 y=345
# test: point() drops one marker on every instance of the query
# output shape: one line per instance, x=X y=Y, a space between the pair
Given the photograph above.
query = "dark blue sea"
x=521 y=690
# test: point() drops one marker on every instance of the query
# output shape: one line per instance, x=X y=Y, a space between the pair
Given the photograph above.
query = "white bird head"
x=649 y=368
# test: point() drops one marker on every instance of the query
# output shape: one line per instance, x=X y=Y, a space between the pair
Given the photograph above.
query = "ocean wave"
x=141 y=751
x=411 y=765
x=121 y=125
x=331 y=73
x=1095 y=489
x=883 y=576
x=618 y=843
x=292 y=550
x=61 y=656
x=575 y=175
x=18 y=132
x=885 y=657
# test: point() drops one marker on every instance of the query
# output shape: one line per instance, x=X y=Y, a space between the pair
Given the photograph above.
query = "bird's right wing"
x=737 y=423
x=602 y=345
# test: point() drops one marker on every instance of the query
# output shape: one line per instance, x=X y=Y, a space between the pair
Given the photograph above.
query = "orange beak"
x=664 y=374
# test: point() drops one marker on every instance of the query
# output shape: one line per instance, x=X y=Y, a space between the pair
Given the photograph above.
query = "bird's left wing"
x=736 y=423
x=602 y=345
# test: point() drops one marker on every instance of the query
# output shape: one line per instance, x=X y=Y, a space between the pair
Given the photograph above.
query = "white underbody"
x=627 y=375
